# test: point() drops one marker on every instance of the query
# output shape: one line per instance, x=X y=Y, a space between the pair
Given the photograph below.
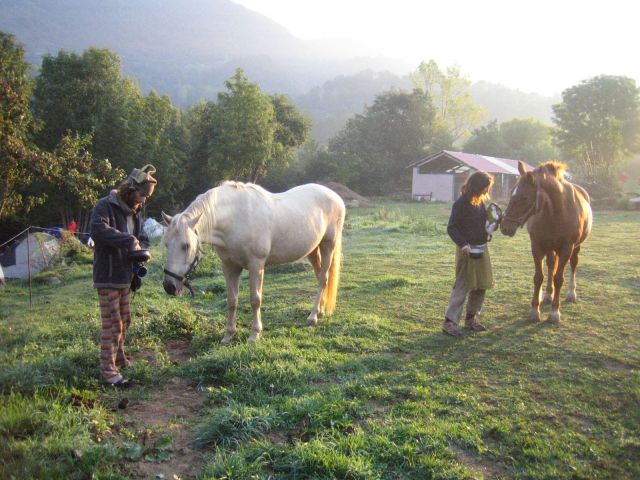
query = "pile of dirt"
x=351 y=198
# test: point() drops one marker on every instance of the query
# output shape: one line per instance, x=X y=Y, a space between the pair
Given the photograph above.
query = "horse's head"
x=522 y=203
x=183 y=252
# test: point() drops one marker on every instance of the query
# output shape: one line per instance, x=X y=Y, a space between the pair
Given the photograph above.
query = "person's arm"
x=104 y=233
x=453 y=228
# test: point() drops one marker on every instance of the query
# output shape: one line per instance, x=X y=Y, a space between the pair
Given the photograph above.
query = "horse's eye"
x=185 y=246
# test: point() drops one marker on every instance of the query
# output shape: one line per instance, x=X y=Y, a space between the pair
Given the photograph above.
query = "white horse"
x=250 y=228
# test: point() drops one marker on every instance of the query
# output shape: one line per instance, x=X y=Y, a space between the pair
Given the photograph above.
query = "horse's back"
x=312 y=195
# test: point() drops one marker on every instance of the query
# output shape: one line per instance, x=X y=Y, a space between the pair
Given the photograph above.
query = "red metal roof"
x=477 y=162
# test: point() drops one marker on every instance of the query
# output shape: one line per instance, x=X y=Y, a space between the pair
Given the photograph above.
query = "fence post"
x=29 y=265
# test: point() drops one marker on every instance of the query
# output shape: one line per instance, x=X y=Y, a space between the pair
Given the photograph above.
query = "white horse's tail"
x=330 y=293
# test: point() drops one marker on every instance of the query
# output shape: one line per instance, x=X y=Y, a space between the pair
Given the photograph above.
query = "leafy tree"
x=521 y=139
x=374 y=149
x=449 y=93
x=486 y=140
x=244 y=135
x=165 y=144
x=244 y=130
x=598 y=126
x=75 y=182
x=20 y=163
x=88 y=94
x=292 y=130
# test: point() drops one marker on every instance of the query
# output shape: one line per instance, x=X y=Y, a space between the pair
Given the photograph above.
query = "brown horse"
x=559 y=219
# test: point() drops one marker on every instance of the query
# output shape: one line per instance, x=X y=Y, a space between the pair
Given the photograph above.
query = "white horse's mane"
x=204 y=204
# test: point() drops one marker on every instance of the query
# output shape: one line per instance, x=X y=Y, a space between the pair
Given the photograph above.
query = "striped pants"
x=116 y=318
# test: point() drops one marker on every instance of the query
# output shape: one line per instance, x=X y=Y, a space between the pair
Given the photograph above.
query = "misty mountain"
x=186 y=49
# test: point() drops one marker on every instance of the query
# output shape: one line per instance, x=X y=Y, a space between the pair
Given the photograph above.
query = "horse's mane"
x=553 y=168
x=205 y=202
x=242 y=186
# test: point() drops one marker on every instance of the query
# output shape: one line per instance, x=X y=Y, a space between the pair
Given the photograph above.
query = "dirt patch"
x=164 y=424
x=351 y=198
x=179 y=351
x=478 y=466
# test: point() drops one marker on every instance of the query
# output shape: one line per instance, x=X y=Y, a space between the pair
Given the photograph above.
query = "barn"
x=440 y=176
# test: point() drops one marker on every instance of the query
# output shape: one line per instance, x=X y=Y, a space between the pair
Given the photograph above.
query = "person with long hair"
x=467 y=229
x=116 y=229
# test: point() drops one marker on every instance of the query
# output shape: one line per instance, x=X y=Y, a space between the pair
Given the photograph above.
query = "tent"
x=152 y=228
x=34 y=252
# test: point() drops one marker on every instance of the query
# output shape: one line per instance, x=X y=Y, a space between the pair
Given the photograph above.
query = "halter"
x=185 y=279
x=524 y=217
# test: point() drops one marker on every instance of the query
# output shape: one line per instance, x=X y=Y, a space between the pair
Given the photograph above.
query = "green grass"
x=374 y=392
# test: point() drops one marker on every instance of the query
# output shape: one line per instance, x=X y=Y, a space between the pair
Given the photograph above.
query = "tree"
x=449 y=93
x=20 y=163
x=486 y=140
x=520 y=139
x=244 y=130
x=373 y=150
x=598 y=126
x=292 y=130
x=164 y=144
x=75 y=182
x=87 y=94
x=244 y=134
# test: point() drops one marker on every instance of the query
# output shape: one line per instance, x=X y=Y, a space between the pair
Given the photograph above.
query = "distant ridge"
x=187 y=49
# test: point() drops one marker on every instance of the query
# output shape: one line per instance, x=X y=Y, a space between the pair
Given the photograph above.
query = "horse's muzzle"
x=170 y=288
x=508 y=228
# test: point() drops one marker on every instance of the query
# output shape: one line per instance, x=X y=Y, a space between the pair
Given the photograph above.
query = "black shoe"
x=122 y=383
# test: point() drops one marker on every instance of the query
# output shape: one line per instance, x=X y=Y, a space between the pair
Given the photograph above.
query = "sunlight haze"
x=544 y=46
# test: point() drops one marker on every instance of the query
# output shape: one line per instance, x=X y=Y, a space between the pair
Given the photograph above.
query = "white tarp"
x=36 y=254
x=1 y=276
x=152 y=228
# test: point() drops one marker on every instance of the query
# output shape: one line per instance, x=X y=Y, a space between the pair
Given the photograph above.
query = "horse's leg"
x=316 y=263
x=232 y=279
x=538 y=277
x=558 y=280
x=326 y=250
x=571 y=294
x=552 y=265
x=256 y=277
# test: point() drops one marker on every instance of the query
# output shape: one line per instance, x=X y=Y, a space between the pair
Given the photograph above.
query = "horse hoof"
x=312 y=321
x=534 y=316
x=226 y=339
x=571 y=297
x=254 y=337
x=554 y=317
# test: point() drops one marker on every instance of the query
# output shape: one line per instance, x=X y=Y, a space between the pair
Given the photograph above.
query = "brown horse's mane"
x=553 y=168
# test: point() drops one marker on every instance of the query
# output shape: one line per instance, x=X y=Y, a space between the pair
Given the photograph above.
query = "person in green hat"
x=116 y=229
x=467 y=228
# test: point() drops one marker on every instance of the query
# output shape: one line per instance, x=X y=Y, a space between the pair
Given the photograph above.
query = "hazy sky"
x=543 y=46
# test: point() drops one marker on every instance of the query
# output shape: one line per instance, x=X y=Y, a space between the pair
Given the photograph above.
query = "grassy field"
x=376 y=391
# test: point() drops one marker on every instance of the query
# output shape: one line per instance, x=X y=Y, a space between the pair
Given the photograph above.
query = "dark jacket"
x=108 y=227
x=467 y=223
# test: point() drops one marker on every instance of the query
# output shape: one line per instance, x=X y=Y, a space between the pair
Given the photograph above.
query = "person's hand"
x=466 y=249
x=137 y=246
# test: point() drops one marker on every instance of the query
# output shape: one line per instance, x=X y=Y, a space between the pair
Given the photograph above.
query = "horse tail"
x=330 y=293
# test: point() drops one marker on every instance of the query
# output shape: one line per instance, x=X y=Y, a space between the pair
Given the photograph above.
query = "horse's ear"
x=521 y=168
x=194 y=221
x=166 y=218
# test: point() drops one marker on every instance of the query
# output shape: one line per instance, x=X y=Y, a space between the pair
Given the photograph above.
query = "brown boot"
x=451 y=328
x=471 y=323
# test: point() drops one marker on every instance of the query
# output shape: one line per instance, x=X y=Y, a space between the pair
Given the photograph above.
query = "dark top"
x=467 y=223
x=108 y=227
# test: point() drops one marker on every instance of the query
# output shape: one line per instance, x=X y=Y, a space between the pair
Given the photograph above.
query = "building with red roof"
x=440 y=176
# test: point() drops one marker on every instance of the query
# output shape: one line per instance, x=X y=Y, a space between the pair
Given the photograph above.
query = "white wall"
x=439 y=184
